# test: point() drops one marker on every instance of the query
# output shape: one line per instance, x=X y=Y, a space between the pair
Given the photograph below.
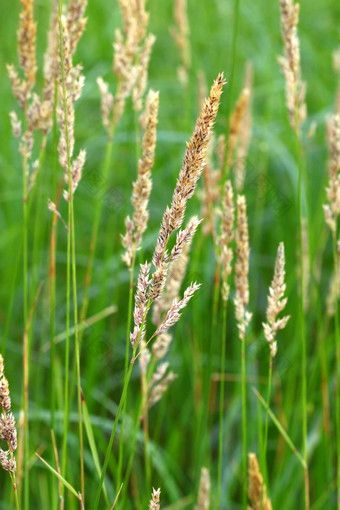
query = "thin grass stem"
x=221 y=410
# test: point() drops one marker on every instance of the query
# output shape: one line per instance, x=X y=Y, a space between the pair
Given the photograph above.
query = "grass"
x=180 y=442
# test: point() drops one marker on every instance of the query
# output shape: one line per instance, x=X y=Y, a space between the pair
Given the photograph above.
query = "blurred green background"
x=270 y=188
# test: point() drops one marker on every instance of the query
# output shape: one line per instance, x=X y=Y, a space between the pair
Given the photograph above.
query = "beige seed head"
x=290 y=63
x=27 y=43
x=154 y=502
x=106 y=103
x=226 y=237
x=203 y=500
x=332 y=209
x=242 y=268
x=276 y=302
x=257 y=491
x=193 y=163
x=8 y=432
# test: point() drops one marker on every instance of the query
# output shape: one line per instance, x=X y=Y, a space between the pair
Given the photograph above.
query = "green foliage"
x=178 y=446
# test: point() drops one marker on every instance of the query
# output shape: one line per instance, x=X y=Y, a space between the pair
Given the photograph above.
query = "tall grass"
x=138 y=397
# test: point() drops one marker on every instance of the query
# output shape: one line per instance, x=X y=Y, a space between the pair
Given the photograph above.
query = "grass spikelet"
x=290 y=64
x=242 y=268
x=227 y=235
x=27 y=44
x=243 y=317
x=142 y=186
x=332 y=209
x=154 y=501
x=276 y=302
x=193 y=163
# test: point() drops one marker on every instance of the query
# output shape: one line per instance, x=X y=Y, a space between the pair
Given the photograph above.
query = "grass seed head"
x=257 y=491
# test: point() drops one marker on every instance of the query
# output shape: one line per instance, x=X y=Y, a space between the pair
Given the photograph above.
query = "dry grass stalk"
x=142 y=186
x=276 y=302
x=226 y=237
x=242 y=268
x=257 y=491
x=203 y=500
x=290 y=63
x=8 y=431
x=181 y=33
x=154 y=501
x=332 y=209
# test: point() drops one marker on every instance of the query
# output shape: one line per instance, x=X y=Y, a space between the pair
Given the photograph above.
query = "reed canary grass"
x=22 y=88
x=226 y=256
x=243 y=318
x=71 y=82
x=276 y=304
x=192 y=167
x=297 y=111
x=150 y=287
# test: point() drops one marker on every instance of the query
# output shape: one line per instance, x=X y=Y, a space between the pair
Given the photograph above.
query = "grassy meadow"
x=78 y=401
